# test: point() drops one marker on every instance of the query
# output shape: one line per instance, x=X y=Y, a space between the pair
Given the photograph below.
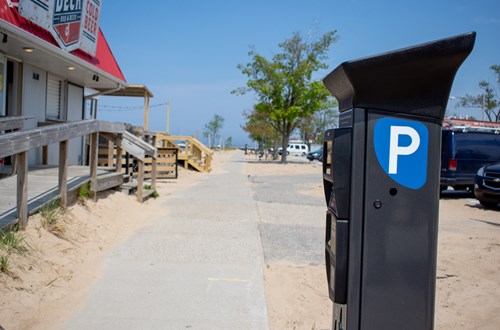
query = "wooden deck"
x=19 y=143
x=42 y=188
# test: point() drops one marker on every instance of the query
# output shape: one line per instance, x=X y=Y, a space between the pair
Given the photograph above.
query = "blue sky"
x=187 y=51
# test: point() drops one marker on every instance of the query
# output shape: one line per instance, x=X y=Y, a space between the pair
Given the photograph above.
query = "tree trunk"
x=284 y=145
x=275 y=149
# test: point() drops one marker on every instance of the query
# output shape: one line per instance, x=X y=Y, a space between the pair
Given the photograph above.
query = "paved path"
x=198 y=267
x=292 y=224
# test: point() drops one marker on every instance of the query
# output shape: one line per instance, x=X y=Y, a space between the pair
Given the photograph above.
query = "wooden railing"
x=19 y=143
x=11 y=124
x=166 y=164
x=142 y=151
x=191 y=151
x=166 y=160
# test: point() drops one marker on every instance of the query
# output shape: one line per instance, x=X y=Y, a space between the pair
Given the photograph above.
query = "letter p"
x=396 y=150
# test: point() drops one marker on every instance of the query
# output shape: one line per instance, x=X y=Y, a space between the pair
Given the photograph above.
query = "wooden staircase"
x=169 y=150
x=144 y=153
x=190 y=151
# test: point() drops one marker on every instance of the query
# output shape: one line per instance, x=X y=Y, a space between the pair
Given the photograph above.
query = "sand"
x=63 y=261
x=63 y=264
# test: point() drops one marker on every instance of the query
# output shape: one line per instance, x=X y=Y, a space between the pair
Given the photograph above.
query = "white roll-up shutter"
x=54 y=97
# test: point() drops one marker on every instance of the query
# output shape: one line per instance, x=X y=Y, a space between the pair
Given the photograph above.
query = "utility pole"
x=168 y=117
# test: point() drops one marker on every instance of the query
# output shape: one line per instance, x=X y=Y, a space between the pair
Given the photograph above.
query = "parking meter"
x=381 y=184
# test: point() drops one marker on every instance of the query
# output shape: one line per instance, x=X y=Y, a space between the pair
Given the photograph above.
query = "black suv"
x=487 y=185
x=316 y=154
x=463 y=153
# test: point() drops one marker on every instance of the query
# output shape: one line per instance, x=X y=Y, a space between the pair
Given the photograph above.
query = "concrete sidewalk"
x=198 y=267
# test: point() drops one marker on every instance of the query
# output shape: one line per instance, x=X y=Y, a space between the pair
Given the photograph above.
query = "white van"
x=296 y=149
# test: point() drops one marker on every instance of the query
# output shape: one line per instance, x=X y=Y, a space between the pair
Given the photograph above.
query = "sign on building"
x=73 y=23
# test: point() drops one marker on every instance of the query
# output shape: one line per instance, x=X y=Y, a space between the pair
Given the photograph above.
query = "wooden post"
x=208 y=162
x=146 y=111
x=153 y=173
x=13 y=160
x=22 y=189
x=94 y=149
x=153 y=165
x=127 y=163
x=110 y=153
x=140 y=180
x=63 y=173
x=119 y=155
x=95 y=108
x=93 y=154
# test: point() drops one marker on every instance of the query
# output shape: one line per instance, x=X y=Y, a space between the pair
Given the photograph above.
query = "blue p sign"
x=401 y=147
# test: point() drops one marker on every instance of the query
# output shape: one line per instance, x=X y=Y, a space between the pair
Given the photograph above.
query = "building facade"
x=53 y=57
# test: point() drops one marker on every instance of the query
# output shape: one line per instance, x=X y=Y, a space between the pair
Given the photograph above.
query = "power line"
x=111 y=108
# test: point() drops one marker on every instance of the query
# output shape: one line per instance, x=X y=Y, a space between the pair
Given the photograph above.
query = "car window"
x=478 y=146
x=445 y=143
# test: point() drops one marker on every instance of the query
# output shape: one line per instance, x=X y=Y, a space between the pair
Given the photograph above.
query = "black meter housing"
x=381 y=184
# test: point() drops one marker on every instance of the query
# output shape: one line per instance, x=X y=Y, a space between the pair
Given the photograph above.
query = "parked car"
x=296 y=149
x=316 y=154
x=487 y=185
x=463 y=153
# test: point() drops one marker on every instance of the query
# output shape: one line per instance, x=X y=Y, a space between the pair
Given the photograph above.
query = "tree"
x=306 y=128
x=259 y=128
x=229 y=142
x=284 y=86
x=488 y=101
x=315 y=126
x=212 y=129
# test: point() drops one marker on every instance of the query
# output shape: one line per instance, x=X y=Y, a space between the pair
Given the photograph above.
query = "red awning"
x=103 y=59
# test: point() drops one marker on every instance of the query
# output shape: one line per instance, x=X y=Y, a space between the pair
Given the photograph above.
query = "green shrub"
x=12 y=242
x=4 y=264
x=50 y=213
x=84 y=191
x=154 y=194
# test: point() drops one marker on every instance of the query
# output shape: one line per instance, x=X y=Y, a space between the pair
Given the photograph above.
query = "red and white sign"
x=73 y=23
x=66 y=22
x=90 y=25
x=37 y=11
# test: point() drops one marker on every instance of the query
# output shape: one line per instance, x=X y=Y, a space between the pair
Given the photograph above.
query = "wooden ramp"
x=42 y=188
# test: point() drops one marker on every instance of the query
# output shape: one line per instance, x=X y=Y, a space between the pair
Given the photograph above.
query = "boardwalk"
x=42 y=187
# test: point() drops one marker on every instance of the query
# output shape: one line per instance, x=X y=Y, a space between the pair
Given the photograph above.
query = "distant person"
x=246 y=149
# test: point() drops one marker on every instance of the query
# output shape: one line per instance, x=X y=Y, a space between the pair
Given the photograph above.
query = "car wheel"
x=488 y=205
x=303 y=154
x=288 y=153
